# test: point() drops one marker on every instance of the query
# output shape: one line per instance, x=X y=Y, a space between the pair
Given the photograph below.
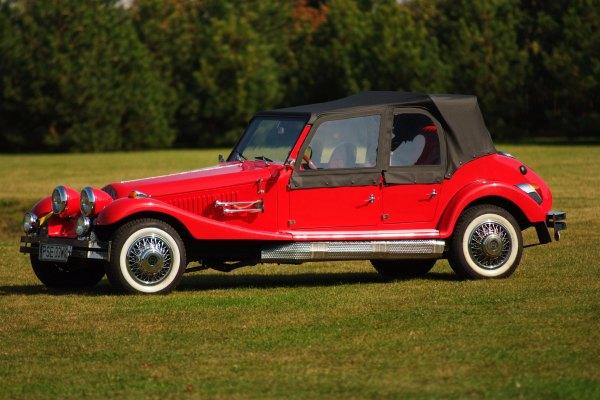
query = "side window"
x=344 y=143
x=415 y=141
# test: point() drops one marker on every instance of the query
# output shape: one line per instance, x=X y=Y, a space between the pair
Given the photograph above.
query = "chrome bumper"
x=88 y=249
x=558 y=221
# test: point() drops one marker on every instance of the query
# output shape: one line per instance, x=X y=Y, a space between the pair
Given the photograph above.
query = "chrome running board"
x=355 y=250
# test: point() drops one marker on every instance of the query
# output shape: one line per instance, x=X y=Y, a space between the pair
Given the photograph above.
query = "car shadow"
x=102 y=289
x=213 y=281
x=309 y=279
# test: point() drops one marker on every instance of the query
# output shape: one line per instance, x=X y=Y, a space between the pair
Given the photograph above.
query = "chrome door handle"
x=371 y=199
x=236 y=207
x=433 y=194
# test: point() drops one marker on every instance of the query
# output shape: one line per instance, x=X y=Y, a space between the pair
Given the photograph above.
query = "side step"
x=356 y=250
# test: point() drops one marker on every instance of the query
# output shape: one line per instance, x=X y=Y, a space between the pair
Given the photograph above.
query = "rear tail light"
x=532 y=190
x=537 y=189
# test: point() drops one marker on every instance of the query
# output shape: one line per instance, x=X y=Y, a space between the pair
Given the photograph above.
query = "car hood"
x=224 y=175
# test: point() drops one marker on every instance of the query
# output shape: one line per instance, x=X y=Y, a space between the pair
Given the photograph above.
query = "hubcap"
x=490 y=245
x=149 y=259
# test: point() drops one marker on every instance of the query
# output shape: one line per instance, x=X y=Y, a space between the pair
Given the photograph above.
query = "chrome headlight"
x=30 y=222
x=83 y=225
x=87 y=201
x=59 y=199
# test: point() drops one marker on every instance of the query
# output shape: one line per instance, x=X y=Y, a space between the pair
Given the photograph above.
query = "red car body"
x=239 y=209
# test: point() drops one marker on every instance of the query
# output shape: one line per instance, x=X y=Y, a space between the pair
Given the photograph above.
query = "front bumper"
x=558 y=221
x=81 y=248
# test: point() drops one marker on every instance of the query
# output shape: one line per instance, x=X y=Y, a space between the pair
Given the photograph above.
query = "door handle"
x=371 y=199
x=433 y=194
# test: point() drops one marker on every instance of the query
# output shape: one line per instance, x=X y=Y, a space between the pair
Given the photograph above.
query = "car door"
x=414 y=173
x=336 y=181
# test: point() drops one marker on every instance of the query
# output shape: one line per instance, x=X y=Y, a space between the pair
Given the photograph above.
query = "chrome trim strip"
x=356 y=250
x=385 y=234
x=216 y=167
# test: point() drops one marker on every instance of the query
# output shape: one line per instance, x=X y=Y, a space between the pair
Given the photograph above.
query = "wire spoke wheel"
x=149 y=259
x=487 y=243
x=147 y=256
x=490 y=245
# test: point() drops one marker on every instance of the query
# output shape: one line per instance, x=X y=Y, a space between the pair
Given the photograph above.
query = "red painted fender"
x=198 y=226
x=42 y=207
x=480 y=189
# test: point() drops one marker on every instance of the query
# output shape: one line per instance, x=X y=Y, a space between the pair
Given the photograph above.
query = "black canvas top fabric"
x=362 y=100
x=465 y=133
x=467 y=137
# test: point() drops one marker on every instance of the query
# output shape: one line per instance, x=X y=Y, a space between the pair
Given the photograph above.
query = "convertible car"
x=400 y=179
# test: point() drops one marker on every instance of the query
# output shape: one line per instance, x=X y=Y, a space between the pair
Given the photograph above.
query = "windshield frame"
x=291 y=116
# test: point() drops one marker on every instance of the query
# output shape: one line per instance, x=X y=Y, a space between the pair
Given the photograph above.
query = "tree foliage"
x=75 y=76
x=481 y=44
x=222 y=59
x=106 y=74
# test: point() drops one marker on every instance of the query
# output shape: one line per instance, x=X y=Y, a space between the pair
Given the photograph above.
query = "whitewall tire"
x=147 y=256
x=487 y=243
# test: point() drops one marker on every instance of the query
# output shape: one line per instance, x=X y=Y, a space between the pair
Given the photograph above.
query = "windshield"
x=268 y=139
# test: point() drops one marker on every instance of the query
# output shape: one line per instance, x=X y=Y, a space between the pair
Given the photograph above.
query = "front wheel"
x=487 y=243
x=395 y=269
x=75 y=274
x=147 y=256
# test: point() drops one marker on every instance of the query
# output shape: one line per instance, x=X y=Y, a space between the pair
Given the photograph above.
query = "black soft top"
x=466 y=135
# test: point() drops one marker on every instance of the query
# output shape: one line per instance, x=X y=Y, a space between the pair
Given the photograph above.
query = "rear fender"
x=199 y=227
x=479 y=190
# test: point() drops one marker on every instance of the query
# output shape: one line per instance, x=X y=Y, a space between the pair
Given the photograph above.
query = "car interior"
x=415 y=141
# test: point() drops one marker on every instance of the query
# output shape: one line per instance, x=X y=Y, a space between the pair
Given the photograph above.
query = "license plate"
x=55 y=252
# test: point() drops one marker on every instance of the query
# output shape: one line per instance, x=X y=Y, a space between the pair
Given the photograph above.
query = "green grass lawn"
x=332 y=330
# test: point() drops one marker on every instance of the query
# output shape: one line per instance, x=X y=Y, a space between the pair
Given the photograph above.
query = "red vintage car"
x=400 y=179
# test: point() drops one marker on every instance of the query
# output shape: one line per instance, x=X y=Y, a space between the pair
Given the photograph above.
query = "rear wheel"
x=394 y=269
x=147 y=256
x=487 y=243
x=75 y=274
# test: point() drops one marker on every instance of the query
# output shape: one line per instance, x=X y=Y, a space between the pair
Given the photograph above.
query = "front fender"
x=481 y=189
x=198 y=226
x=43 y=207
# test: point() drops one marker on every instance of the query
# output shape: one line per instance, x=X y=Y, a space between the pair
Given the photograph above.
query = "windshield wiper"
x=263 y=158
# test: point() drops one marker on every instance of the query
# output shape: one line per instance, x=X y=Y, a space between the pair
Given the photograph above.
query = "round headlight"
x=83 y=225
x=88 y=201
x=30 y=222
x=59 y=199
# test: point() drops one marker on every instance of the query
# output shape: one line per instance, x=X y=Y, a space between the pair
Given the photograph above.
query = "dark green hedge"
x=97 y=75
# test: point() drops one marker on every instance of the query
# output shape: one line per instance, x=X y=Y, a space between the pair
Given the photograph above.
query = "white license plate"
x=55 y=252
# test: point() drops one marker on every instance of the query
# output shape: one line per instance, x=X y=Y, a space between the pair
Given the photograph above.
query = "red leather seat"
x=431 y=151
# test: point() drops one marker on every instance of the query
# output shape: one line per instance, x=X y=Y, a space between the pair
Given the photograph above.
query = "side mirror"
x=308 y=153
x=306 y=157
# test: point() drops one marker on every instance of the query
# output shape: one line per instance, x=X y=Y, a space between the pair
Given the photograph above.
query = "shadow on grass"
x=34 y=290
x=199 y=282
x=308 y=279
